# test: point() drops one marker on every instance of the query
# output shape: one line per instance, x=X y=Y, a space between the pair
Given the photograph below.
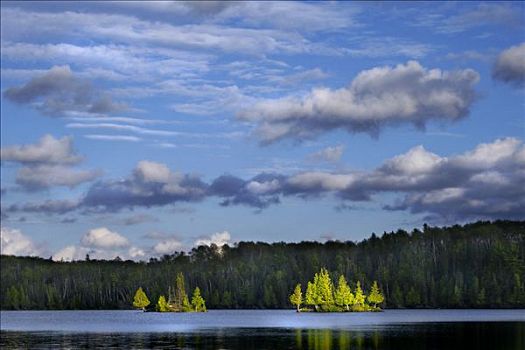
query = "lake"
x=265 y=329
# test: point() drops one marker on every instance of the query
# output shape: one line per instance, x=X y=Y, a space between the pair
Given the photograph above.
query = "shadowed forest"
x=478 y=265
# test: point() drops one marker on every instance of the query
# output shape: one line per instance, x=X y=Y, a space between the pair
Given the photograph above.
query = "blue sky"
x=140 y=128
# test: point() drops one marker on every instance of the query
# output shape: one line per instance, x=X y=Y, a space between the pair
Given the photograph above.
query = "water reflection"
x=501 y=335
x=327 y=339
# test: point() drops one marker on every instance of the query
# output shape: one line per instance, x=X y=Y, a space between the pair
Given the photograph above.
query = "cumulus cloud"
x=104 y=238
x=485 y=182
x=48 y=163
x=218 y=238
x=45 y=176
x=510 y=66
x=71 y=253
x=136 y=253
x=168 y=246
x=100 y=243
x=14 y=242
x=59 y=91
x=376 y=98
x=328 y=154
x=47 y=150
x=151 y=184
x=258 y=192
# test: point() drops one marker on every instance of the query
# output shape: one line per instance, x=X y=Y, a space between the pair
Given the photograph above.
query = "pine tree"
x=311 y=297
x=297 y=297
x=162 y=305
x=343 y=294
x=359 y=298
x=141 y=300
x=197 y=301
x=180 y=302
x=324 y=288
x=375 y=297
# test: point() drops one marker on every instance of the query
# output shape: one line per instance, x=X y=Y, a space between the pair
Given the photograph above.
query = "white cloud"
x=320 y=181
x=263 y=187
x=45 y=176
x=48 y=150
x=71 y=253
x=104 y=238
x=48 y=163
x=126 y=29
x=14 y=242
x=100 y=243
x=149 y=171
x=218 y=238
x=75 y=252
x=488 y=155
x=416 y=161
x=135 y=252
x=168 y=246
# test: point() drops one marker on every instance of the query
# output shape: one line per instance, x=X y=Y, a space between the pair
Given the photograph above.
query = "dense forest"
x=476 y=265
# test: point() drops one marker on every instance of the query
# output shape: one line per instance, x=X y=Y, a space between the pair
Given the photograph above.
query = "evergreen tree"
x=311 y=297
x=324 y=289
x=375 y=297
x=297 y=297
x=197 y=301
x=162 y=305
x=343 y=294
x=141 y=300
x=180 y=299
x=359 y=298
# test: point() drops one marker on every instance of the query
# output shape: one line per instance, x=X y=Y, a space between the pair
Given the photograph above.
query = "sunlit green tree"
x=140 y=300
x=162 y=304
x=179 y=299
x=197 y=301
x=375 y=297
x=359 y=297
x=324 y=288
x=311 y=295
x=343 y=294
x=297 y=297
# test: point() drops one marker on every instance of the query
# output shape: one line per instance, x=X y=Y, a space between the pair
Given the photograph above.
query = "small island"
x=177 y=299
x=324 y=297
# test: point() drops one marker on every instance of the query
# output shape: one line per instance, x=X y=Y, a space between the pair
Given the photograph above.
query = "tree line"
x=479 y=265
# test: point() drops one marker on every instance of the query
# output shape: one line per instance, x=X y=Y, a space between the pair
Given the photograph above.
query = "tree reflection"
x=451 y=336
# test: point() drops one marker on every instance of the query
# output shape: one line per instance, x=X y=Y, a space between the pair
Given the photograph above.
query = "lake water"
x=265 y=329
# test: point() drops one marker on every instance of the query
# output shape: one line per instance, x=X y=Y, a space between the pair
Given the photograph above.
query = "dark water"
x=268 y=329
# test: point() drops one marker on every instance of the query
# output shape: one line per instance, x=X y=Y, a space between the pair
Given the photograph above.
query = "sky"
x=136 y=129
